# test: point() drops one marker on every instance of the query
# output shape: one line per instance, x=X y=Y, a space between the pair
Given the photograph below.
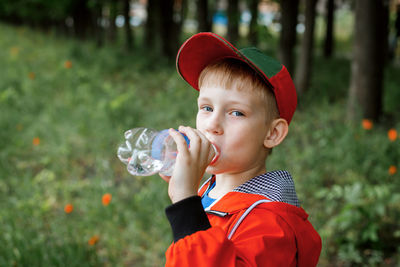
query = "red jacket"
x=273 y=233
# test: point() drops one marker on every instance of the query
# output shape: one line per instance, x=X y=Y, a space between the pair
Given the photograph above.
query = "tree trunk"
x=127 y=25
x=253 y=31
x=152 y=30
x=97 y=21
x=385 y=29
x=233 y=21
x=366 y=86
x=168 y=31
x=328 y=45
x=203 y=16
x=304 y=65
x=112 y=30
x=287 y=42
x=81 y=16
x=180 y=10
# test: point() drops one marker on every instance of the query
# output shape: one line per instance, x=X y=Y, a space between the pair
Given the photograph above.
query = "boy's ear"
x=278 y=130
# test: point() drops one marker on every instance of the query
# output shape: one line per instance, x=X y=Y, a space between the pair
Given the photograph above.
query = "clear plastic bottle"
x=147 y=152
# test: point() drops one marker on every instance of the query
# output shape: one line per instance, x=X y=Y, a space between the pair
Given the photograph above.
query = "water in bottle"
x=147 y=152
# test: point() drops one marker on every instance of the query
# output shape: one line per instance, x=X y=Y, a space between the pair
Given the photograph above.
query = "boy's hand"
x=190 y=165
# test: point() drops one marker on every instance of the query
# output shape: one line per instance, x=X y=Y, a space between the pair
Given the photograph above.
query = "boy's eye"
x=207 y=108
x=237 y=113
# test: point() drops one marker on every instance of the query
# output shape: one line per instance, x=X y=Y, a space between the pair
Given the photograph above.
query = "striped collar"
x=277 y=186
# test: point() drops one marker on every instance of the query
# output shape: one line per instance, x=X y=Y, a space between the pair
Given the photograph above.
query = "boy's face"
x=235 y=122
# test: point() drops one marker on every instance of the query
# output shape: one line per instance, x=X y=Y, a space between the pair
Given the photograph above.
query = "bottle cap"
x=157 y=145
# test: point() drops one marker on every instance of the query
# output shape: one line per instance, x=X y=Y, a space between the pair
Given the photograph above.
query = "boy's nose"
x=214 y=125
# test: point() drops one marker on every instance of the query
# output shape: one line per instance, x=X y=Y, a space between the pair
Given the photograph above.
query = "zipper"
x=218 y=213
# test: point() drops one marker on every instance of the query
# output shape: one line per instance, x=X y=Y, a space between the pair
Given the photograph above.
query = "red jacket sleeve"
x=262 y=239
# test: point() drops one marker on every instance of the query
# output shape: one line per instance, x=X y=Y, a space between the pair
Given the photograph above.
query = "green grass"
x=80 y=113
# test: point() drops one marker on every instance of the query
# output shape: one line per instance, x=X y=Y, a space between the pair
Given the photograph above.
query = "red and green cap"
x=206 y=48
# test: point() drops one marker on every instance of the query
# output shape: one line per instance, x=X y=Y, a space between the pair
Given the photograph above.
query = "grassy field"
x=64 y=106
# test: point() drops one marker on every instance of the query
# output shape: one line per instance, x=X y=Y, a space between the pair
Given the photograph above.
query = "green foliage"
x=35 y=11
x=77 y=101
x=64 y=107
x=341 y=174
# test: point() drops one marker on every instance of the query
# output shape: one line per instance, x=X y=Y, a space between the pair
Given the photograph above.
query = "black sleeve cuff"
x=187 y=217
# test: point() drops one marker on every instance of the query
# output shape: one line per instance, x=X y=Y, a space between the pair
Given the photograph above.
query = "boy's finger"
x=202 y=147
x=195 y=139
x=179 y=140
x=204 y=139
x=208 y=147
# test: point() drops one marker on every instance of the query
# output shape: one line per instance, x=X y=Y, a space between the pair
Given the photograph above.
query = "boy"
x=243 y=215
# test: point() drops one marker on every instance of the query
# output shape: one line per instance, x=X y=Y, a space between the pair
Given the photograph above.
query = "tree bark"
x=168 y=31
x=112 y=30
x=233 y=21
x=329 y=44
x=304 y=65
x=253 y=31
x=203 y=18
x=152 y=29
x=81 y=16
x=180 y=9
x=369 y=51
x=287 y=42
x=127 y=25
x=97 y=23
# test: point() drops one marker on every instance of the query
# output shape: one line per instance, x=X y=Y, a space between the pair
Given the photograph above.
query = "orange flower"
x=14 y=51
x=392 y=134
x=36 y=141
x=106 y=199
x=367 y=124
x=31 y=75
x=68 y=208
x=68 y=64
x=392 y=170
x=93 y=240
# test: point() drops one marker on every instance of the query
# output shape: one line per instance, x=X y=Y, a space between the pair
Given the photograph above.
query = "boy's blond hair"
x=232 y=73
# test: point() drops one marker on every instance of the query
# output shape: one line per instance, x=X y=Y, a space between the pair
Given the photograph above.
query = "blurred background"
x=75 y=74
